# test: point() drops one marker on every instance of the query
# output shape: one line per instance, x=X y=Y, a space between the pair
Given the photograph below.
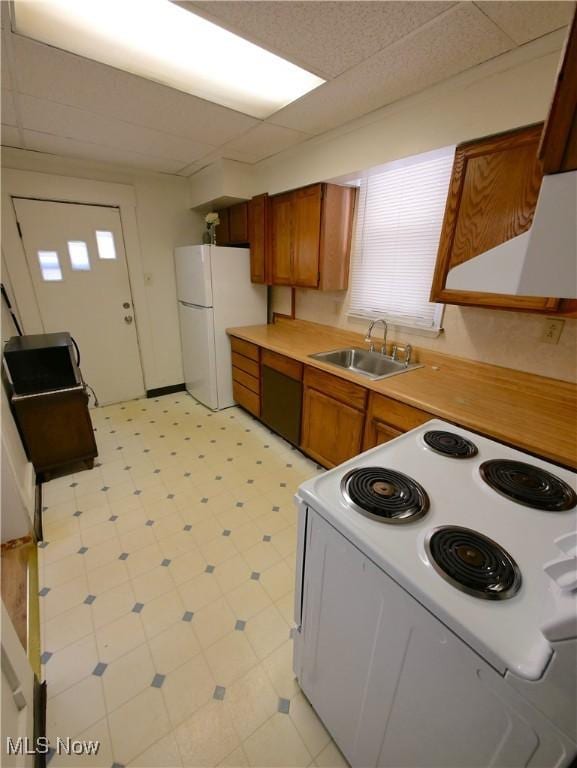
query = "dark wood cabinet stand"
x=56 y=430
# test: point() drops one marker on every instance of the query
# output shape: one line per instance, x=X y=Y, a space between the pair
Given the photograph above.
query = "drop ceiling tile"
x=59 y=145
x=81 y=125
x=8 y=108
x=58 y=76
x=326 y=37
x=11 y=136
x=263 y=141
x=459 y=39
x=525 y=21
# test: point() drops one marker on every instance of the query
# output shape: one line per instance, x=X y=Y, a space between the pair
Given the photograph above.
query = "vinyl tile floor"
x=167 y=577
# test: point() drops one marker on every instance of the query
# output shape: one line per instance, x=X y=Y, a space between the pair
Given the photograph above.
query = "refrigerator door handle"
x=195 y=306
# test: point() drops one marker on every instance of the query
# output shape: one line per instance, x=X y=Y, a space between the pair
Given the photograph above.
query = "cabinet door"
x=331 y=431
x=257 y=238
x=307 y=235
x=281 y=208
x=388 y=418
x=492 y=198
x=238 y=223
x=222 y=231
x=558 y=150
x=377 y=433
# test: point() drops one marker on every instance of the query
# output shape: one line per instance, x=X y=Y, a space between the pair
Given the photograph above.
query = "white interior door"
x=17 y=696
x=77 y=263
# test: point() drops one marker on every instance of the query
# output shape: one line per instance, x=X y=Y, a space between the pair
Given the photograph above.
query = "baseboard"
x=165 y=390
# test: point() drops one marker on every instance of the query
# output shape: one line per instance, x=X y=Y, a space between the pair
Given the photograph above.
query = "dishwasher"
x=281 y=395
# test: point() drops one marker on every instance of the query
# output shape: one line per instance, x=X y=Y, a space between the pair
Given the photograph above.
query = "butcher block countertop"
x=534 y=413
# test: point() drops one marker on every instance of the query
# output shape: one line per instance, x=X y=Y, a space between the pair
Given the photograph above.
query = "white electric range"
x=436 y=603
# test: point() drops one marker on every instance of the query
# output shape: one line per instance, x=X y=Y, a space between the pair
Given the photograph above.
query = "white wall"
x=512 y=90
x=163 y=220
x=17 y=480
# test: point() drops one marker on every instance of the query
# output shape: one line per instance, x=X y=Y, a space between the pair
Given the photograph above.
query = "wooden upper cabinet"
x=281 y=237
x=258 y=238
x=492 y=196
x=558 y=150
x=233 y=227
x=311 y=231
x=307 y=203
x=222 y=231
x=238 y=224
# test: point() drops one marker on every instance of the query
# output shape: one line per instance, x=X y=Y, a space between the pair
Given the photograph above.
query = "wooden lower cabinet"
x=333 y=419
x=246 y=375
x=387 y=419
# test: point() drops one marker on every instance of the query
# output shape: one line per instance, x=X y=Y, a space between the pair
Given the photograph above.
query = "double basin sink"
x=373 y=365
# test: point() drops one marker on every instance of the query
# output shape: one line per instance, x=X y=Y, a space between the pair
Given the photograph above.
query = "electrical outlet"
x=147 y=278
x=552 y=330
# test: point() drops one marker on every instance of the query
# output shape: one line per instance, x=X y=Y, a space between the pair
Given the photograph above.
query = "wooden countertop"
x=534 y=413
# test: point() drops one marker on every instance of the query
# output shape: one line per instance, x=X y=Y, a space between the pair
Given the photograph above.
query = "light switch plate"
x=552 y=330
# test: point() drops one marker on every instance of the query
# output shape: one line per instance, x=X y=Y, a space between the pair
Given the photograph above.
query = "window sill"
x=405 y=327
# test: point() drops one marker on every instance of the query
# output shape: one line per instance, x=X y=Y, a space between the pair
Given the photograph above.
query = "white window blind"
x=399 y=219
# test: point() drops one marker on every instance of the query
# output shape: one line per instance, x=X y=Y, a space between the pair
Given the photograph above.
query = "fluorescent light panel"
x=165 y=43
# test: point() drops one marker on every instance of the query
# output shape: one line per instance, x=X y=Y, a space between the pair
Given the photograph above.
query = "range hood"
x=541 y=261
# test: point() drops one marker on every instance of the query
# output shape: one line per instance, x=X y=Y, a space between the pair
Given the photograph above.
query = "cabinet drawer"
x=345 y=391
x=286 y=365
x=244 y=348
x=248 y=381
x=249 y=366
x=402 y=417
x=246 y=398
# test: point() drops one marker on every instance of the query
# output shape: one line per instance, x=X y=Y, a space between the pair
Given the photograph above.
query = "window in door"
x=49 y=266
x=105 y=244
x=78 y=252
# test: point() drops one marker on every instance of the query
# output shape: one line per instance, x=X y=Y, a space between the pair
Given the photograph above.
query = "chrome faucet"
x=369 y=338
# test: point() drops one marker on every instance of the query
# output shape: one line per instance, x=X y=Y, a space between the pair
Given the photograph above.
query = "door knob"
x=128 y=319
x=126 y=305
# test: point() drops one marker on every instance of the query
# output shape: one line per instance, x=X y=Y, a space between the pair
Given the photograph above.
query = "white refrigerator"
x=214 y=293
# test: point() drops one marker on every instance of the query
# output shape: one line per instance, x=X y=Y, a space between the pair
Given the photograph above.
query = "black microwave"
x=42 y=363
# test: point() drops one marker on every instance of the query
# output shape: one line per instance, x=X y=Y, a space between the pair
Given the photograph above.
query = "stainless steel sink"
x=373 y=365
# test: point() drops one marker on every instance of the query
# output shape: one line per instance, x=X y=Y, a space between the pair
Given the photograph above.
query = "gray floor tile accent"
x=112 y=518
x=255 y=576
x=157 y=681
x=275 y=509
x=45 y=658
x=44 y=591
x=219 y=693
x=284 y=706
x=123 y=556
x=99 y=669
x=187 y=616
x=239 y=504
x=43 y=544
x=166 y=562
x=82 y=550
x=226 y=532
x=89 y=599
x=149 y=522
x=209 y=569
x=137 y=607
x=77 y=513
x=266 y=537
x=240 y=625
x=187 y=528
